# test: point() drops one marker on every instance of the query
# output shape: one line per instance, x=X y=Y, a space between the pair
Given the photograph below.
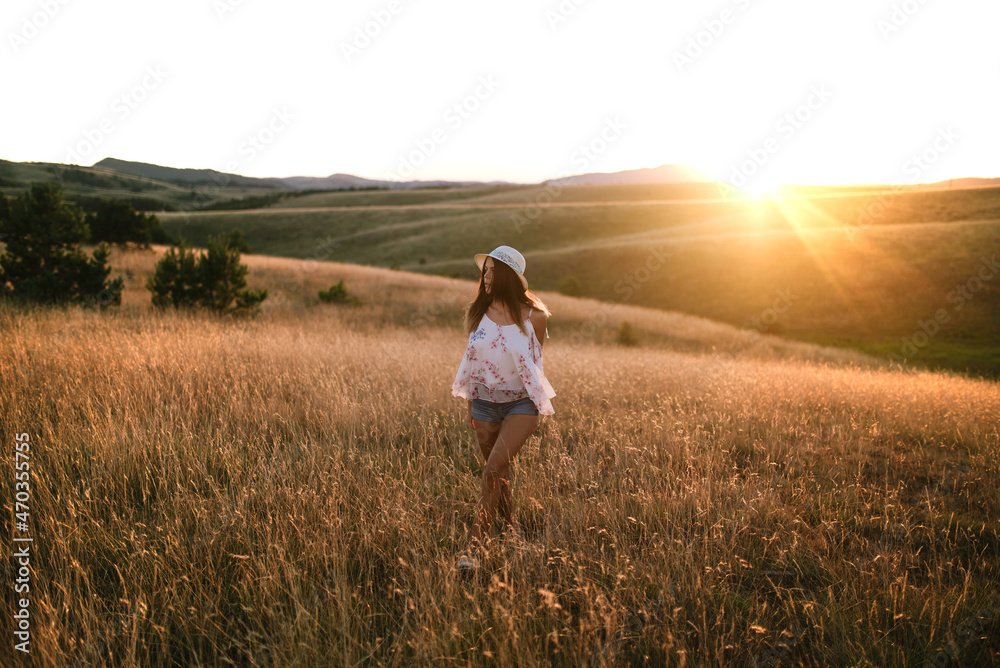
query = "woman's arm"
x=539 y=321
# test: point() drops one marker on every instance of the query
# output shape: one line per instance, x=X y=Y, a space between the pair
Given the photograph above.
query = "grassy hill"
x=879 y=272
x=145 y=193
x=866 y=269
x=413 y=300
x=198 y=177
x=295 y=489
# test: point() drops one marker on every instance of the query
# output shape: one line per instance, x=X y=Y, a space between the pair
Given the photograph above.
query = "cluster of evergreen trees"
x=212 y=280
x=116 y=222
x=43 y=263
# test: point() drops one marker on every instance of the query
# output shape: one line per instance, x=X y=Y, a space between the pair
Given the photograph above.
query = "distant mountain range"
x=187 y=176
x=213 y=177
x=139 y=172
x=661 y=174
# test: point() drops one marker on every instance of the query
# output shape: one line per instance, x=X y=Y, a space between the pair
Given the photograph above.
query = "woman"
x=502 y=378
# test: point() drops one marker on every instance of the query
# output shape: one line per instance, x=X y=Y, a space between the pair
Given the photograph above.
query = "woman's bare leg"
x=487 y=433
x=514 y=431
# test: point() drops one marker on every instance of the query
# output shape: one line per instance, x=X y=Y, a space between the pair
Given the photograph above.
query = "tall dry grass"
x=294 y=490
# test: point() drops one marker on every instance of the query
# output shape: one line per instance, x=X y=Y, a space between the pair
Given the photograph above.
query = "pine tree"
x=211 y=280
x=222 y=276
x=176 y=281
x=236 y=240
x=117 y=222
x=42 y=261
x=4 y=212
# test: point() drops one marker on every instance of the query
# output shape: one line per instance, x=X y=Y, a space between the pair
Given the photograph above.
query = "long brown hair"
x=508 y=291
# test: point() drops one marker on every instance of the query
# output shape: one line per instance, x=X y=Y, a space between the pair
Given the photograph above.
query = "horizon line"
x=519 y=183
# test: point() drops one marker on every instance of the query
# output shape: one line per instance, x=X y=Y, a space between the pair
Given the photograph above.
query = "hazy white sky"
x=758 y=91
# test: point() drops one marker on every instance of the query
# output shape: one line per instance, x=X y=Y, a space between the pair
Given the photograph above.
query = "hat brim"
x=481 y=259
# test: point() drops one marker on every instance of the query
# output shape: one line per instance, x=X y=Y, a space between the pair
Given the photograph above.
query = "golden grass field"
x=294 y=489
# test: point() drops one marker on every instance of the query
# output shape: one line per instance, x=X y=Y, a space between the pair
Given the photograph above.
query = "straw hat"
x=509 y=257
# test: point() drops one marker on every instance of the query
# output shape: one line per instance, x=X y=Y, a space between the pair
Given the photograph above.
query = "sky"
x=752 y=92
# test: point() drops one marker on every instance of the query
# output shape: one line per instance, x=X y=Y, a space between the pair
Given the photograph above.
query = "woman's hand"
x=471 y=422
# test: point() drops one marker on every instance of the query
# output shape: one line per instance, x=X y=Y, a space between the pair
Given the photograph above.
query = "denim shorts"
x=487 y=411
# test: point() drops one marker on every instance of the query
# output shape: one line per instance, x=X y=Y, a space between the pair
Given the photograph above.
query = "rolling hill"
x=867 y=270
x=661 y=174
x=205 y=177
x=873 y=271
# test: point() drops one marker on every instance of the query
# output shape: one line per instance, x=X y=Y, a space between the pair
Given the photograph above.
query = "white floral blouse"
x=501 y=364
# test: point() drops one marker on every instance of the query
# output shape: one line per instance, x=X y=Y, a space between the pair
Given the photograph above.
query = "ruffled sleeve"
x=532 y=373
x=463 y=378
